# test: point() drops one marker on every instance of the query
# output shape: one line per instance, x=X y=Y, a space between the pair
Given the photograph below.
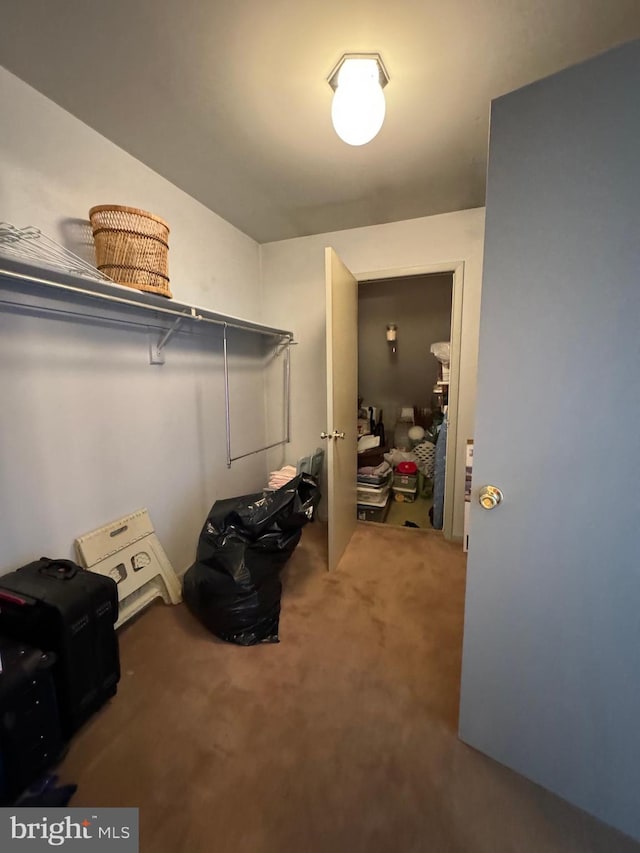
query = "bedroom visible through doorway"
x=404 y=334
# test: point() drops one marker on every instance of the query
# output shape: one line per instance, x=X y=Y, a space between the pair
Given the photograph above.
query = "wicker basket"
x=132 y=247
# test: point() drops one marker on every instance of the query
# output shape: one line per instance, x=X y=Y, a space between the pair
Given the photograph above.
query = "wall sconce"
x=392 y=336
x=358 y=106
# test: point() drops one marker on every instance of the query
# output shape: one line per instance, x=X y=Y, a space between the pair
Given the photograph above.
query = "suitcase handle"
x=62 y=570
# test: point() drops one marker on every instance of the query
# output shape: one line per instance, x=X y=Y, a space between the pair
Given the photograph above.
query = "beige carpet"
x=416 y=511
x=341 y=739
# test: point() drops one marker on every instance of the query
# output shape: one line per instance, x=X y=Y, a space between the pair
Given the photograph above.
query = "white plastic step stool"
x=129 y=551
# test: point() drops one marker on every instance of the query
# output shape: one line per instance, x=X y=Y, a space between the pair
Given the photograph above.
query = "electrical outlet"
x=156 y=356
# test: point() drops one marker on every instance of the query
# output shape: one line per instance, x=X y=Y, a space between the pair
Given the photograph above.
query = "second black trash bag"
x=234 y=586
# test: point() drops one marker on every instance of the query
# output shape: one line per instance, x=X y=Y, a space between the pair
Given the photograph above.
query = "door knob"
x=334 y=434
x=490 y=497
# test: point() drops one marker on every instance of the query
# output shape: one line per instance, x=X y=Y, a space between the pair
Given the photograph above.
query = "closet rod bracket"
x=284 y=345
x=156 y=348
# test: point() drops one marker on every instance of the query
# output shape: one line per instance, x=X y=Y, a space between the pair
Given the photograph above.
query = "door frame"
x=456 y=269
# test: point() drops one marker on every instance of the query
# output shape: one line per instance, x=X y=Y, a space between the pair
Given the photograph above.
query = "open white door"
x=342 y=404
x=551 y=664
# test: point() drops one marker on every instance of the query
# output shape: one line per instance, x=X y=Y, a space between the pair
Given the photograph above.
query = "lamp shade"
x=358 y=106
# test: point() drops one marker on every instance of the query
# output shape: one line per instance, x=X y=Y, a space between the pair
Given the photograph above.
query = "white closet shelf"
x=49 y=282
x=27 y=280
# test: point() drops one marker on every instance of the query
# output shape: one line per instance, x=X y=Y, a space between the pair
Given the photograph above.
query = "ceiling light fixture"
x=358 y=106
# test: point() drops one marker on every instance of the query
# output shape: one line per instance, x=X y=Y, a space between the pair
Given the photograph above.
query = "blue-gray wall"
x=551 y=669
x=421 y=308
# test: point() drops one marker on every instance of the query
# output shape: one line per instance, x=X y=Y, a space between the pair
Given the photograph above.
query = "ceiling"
x=229 y=100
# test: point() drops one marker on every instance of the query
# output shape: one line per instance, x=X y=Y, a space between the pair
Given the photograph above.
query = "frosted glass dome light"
x=358 y=107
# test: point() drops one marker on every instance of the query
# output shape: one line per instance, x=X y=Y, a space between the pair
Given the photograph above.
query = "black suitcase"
x=30 y=737
x=59 y=607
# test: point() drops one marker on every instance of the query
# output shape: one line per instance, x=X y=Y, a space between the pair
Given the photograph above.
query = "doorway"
x=404 y=345
x=342 y=394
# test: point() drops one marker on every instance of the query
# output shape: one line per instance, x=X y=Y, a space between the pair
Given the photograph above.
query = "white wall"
x=293 y=277
x=88 y=429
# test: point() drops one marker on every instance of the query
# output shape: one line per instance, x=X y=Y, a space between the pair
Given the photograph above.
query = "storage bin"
x=372 y=513
x=426 y=453
x=375 y=476
x=132 y=247
x=372 y=480
x=372 y=495
x=383 y=479
x=407 y=481
x=404 y=494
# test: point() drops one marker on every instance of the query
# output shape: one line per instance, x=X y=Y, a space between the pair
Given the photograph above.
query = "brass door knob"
x=489 y=497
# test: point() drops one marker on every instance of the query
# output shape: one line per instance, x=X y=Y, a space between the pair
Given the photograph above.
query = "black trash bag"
x=288 y=508
x=234 y=586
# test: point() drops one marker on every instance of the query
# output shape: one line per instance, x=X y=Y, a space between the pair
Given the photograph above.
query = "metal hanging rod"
x=112 y=293
x=227 y=404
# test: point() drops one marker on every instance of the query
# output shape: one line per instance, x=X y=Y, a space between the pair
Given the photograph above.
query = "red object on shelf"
x=407 y=468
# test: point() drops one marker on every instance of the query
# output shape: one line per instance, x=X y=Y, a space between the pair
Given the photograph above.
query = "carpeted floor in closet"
x=340 y=739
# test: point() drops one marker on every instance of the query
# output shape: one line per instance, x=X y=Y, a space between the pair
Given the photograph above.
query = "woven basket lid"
x=98 y=208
